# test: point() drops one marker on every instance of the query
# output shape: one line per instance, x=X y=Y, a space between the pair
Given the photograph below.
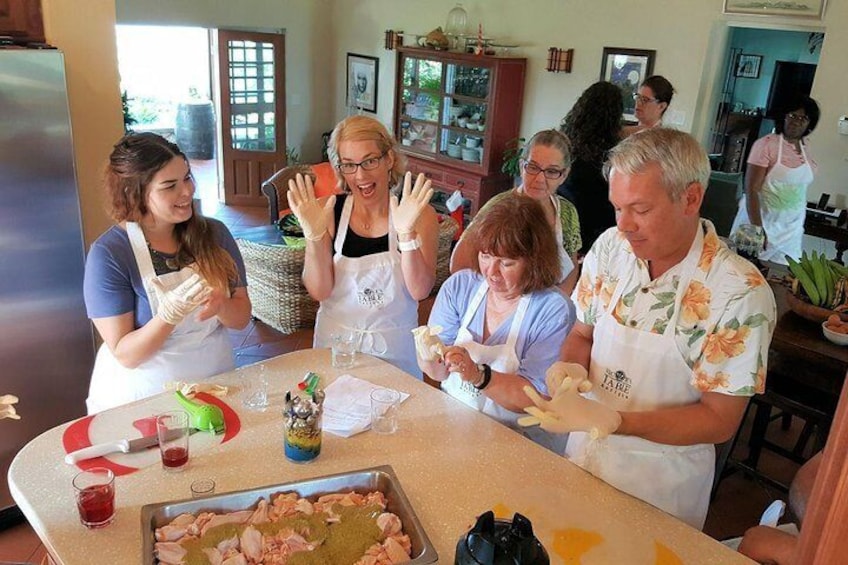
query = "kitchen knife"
x=121 y=445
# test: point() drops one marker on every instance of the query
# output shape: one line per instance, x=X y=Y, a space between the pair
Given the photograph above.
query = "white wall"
x=309 y=87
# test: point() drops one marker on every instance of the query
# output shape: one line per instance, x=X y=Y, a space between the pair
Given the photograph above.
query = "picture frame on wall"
x=748 y=66
x=627 y=68
x=362 y=76
x=808 y=9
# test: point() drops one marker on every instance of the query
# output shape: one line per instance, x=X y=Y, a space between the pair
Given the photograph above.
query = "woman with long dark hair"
x=594 y=127
x=163 y=284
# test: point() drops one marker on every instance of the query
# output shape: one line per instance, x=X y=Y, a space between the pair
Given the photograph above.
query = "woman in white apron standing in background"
x=779 y=171
x=369 y=258
x=163 y=285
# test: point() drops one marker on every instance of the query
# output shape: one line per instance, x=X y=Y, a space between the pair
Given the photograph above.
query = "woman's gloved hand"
x=313 y=217
x=179 y=302
x=568 y=411
x=413 y=201
x=428 y=345
x=7 y=409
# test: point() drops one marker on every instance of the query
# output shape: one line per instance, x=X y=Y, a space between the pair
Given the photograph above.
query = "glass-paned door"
x=252 y=81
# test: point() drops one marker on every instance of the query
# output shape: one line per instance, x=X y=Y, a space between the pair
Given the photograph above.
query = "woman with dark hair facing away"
x=502 y=320
x=594 y=127
x=162 y=285
x=369 y=258
x=652 y=100
x=545 y=160
x=780 y=169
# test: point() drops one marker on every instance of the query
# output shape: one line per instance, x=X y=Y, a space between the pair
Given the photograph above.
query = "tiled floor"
x=738 y=504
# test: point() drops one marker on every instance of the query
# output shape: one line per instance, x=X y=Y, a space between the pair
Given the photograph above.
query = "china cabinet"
x=455 y=114
x=21 y=21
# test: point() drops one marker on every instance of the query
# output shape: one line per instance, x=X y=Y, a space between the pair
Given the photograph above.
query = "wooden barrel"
x=195 y=129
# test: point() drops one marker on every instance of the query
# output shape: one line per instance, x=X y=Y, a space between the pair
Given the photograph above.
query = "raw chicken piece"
x=304 y=506
x=169 y=552
x=231 y=518
x=213 y=555
x=404 y=542
x=251 y=543
x=260 y=515
x=202 y=519
x=176 y=529
x=395 y=552
x=375 y=497
x=227 y=546
x=389 y=524
x=237 y=559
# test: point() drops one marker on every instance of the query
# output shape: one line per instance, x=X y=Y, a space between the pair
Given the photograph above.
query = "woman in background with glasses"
x=652 y=100
x=593 y=126
x=369 y=259
x=779 y=171
x=545 y=161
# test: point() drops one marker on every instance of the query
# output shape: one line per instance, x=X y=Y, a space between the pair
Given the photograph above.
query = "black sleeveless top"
x=355 y=245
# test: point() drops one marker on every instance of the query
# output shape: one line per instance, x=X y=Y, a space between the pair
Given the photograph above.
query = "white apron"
x=566 y=264
x=370 y=296
x=194 y=351
x=783 y=208
x=634 y=370
x=501 y=358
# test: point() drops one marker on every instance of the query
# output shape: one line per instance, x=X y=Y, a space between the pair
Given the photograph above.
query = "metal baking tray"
x=380 y=478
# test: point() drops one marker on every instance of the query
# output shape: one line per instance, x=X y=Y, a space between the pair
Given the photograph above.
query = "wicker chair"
x=447 y=229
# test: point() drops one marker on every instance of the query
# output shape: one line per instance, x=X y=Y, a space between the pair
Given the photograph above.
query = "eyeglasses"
x=349 y=168
x=798 y=117
x=532 y=168
x=643 y=99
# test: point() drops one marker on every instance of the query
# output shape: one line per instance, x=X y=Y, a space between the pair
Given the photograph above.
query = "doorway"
x=756 y=64
x=166 y=78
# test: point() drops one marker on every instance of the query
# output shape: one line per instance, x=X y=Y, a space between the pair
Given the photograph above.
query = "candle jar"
x=302 y=426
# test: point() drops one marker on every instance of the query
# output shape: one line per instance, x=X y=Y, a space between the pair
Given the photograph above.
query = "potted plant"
x=512 y=156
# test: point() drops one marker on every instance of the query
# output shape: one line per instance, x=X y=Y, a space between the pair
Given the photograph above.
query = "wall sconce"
x=393 y=39
x=559 y=60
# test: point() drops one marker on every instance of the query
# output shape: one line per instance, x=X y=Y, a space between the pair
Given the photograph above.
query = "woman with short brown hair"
x=503 y=320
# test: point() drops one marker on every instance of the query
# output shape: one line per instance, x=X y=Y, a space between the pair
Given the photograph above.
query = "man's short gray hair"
x=680 y=157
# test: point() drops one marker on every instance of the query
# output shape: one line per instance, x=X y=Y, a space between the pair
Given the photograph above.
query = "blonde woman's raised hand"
x=413 y=201
x=313 y=217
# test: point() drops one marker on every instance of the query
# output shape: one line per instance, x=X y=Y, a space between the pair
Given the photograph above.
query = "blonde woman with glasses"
x=545 y=162
x=369 y=257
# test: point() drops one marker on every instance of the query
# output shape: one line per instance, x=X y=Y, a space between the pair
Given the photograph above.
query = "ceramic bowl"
x=455 y=151
x=470 y=154
x=834 y=337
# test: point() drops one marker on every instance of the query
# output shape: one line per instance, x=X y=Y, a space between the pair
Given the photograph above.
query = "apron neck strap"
x=143 y=260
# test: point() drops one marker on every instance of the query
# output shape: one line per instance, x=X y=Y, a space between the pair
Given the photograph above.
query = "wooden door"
x=253 y=112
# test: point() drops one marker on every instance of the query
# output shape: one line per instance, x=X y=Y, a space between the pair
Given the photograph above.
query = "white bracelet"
x=410 y=245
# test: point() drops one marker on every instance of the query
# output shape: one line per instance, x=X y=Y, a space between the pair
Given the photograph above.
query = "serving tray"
x=380 y=478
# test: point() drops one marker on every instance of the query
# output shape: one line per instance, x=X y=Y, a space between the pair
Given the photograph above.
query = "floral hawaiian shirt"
x=727 y=313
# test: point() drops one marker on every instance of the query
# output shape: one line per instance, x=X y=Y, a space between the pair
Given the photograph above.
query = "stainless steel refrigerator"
x=46 y=341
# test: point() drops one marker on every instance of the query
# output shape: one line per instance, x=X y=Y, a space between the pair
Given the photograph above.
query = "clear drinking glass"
x=94 y=490
x=384 y=410
x=255 y=382
x=345 y=343
x=173 y=430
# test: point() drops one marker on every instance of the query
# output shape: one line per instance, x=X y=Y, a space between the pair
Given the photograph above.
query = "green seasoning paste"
x=343 y=542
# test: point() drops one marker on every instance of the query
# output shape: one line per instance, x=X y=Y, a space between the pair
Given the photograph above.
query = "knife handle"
x=97 y=450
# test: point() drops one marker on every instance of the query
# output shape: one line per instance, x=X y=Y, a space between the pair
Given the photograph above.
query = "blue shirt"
x=548 y=320
x=112 y=284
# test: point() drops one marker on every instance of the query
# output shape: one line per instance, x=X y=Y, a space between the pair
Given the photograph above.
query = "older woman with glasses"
x=545 y=161
x=369 y=258
x=779 y=171
x=652 y=100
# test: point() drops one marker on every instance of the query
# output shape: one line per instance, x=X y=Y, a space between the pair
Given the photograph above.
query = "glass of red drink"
x=173 y=431
x=95 y=494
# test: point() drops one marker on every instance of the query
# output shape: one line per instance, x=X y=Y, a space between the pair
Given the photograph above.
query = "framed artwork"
x=627 y=68
x=362 y=76
x=811 y=9
x=748 y=66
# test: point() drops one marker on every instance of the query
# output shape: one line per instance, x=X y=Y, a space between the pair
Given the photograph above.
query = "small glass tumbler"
x=202 y=487
x=95 y=496
x=344 y=346
x=384 y=410
x=173 y=431
x=255 y=382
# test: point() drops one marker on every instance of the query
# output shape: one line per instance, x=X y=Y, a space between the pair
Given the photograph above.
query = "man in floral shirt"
x=673 y=327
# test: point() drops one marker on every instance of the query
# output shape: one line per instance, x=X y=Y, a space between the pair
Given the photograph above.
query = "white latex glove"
x=428 y=345
x=179 y=302
x=568 y=411
x=6 y=408
x=313 y=217
x=412 y=203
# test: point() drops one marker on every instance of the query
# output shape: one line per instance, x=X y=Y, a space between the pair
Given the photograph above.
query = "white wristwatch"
x=410 y=245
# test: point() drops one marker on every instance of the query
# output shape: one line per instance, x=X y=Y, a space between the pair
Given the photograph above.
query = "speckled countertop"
x=452 y=462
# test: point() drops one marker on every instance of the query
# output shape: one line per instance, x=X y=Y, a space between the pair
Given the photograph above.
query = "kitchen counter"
x=452 y=462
